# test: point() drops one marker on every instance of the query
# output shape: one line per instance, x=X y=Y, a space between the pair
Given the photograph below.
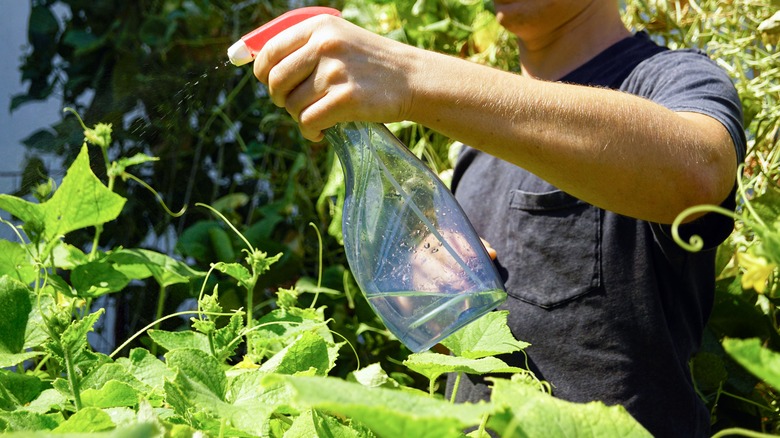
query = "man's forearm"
x=611 y=149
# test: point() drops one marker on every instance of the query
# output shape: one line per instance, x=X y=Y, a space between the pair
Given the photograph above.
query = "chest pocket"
x=555 y=242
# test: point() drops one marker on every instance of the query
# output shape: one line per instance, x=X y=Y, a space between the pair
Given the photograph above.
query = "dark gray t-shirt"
x=613 y=308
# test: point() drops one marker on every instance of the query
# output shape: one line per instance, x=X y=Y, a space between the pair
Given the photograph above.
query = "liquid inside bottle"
x=411 y=249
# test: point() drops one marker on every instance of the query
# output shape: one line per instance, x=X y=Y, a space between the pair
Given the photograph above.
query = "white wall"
x=24 y=120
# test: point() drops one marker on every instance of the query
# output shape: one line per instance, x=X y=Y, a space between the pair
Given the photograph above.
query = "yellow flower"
x=757 y=271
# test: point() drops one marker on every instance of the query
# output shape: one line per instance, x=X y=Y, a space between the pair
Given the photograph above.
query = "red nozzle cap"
x=244 y=50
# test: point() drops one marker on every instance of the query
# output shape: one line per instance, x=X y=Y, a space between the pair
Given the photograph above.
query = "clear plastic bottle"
x=411 y=248
x=409 y=245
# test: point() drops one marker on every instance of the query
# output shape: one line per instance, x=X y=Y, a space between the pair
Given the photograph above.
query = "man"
x=574 y=171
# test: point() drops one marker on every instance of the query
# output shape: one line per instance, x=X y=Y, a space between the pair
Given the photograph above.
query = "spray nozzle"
x=244 y=50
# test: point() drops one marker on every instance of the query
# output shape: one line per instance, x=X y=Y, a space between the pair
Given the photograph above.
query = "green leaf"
x=315 y=423
x=74 y=338
x=276 y=328
x=200 y=367
x=303 y=425
x=387 y=412
x=286 y=298
x=227 y=338
x=16 y=305
x=221 y=244
x=16 y=263
x=246 y=390
x=41 y=139
x=709 y=371
x=86 y=420
x=531 y=413
x=246 y=410
x=235 y=270
x=111 y=372
x=761 y=361
x=487 y=336
x=97 y=278
x=43 y=24
x=307 y=284
x=373 y=376
x=307 y=352
x=36 y=333
x=433 y=365
x=194 y=241
x=9 y=360
x=68 y=257
x=28 y=421
x=135 y=160
x=84 y=42
x=18 y=389
x=142 y=263
x=145 y=367
x=81 y=201
x=261 y=262
x=177 y=340
x=31 y=214
x=113 y=394
x=49 y=400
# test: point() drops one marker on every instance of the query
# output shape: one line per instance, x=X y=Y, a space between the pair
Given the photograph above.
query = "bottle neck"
x=346 y=138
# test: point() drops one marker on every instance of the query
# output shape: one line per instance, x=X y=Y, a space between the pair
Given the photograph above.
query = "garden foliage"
x=229 y=375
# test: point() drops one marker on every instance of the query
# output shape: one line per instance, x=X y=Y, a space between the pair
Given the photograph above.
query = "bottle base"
x=421 y=320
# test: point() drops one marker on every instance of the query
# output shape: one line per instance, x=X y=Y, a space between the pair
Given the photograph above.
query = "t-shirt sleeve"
x=688 y=80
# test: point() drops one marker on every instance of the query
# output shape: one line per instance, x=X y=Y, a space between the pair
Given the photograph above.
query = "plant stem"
x=455 y=387
x=72 y=378
x=250 y=297
x=99 y=227
x=158 y=315
x=319 y=270
x=483 y=425
x=151 y=324
x=742 y=432
x=746 y=400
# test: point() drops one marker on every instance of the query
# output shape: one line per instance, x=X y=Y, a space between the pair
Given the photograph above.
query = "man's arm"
x=614 y=150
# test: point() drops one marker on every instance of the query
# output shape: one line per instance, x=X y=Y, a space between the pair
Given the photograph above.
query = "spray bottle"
x=411 y=249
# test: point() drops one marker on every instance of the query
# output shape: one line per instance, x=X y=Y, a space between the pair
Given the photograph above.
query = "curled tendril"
x=696 y=243
x=250 y=249
x=126 y=175
x=751 y=219
x=68 y=109
x=172 y=315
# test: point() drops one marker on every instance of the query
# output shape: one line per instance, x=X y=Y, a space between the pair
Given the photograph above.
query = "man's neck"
x=552 y=55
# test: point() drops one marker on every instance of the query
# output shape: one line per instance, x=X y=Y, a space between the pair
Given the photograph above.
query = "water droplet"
x=427 y=245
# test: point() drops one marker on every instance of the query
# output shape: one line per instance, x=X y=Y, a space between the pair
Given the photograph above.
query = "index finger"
x=280 y=47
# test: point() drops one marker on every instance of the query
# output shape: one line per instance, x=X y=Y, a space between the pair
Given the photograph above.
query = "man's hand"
x=326 y=70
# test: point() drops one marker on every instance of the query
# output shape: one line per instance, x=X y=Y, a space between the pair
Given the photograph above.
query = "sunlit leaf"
x=307 y=352
x=86 y=420
x=177 y=340
x=487 y=336
x=81 y=201
x=534 y=413
x=433 y=365
x=759 y=360
x=16 y=305
x=387 y=412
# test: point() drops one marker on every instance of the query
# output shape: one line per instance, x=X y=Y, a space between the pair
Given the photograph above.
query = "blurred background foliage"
x=157 y=70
